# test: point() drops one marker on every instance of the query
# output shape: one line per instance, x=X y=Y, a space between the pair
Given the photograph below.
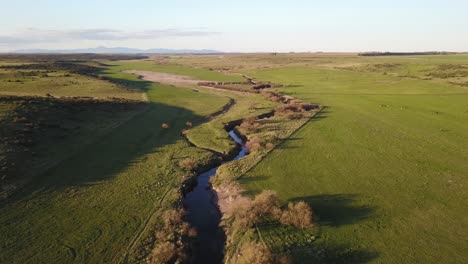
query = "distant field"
x=197 y=73
x=41 y=79
x=384 y=166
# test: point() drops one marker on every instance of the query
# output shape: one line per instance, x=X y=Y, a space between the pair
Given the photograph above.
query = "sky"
x=237 y=26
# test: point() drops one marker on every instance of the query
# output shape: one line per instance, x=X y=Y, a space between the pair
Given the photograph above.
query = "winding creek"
x=204 y=215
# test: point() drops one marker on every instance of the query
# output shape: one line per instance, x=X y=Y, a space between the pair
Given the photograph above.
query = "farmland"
x=89 y=206
x=98 y=158
x=384 y=166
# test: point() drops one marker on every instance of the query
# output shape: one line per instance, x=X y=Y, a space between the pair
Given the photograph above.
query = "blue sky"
x=245 y=26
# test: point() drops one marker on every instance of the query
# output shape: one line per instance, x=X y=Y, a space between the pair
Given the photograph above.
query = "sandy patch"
x=166 y=78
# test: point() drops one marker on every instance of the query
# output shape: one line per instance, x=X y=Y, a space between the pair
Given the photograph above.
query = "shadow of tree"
x=331 y=253
x=306 y=245
x=337 y=209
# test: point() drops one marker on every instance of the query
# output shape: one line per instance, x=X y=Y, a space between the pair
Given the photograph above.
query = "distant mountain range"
x=119 y=50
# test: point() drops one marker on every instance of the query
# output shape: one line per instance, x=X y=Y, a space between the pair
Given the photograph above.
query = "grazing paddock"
x=384 y=167
x=101 y=203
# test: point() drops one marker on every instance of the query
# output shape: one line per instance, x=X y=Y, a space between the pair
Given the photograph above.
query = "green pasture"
x=384 y=167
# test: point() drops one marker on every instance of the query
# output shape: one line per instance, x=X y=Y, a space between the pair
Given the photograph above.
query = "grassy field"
x=94 y=206
x=40 y=79
x=384 y=166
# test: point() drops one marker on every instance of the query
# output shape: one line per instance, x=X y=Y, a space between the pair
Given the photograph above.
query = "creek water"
x=203 y=214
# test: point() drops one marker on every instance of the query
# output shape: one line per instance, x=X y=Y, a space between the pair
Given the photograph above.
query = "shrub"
x=188 y=164
x=173 y=218
x=298 y=215
x=294 y=107
x=170 y=247
x=243 y=214
x=266 y=202
x=293 y=115
x=251 y=252
x=163 y=253
x=270 y=146
x=249 y=125
x=271 y=96
x=165 y=125
x=253 y=144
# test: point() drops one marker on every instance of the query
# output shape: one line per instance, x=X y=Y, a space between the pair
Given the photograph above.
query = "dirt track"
x=166 y=78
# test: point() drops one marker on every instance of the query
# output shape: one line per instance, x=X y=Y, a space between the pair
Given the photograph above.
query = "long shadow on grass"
x=119 y=149
x=116 y=151
x=58 y=208
x=306 y=245
x=337 y=209
x=330 y=253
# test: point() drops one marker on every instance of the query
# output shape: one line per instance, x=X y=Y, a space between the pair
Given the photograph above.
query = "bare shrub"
x=270 y=146
x=243 y=214
x=188 y=164
x=172 y=218
x=293 y=115
x=165 y=125
x=292 y=109
x=251 y=252
x=249 y=125
x=253 y=144
x=266 y=202
x=271 y=96
x=163 y=253
x=170 y=244
x=298 y=215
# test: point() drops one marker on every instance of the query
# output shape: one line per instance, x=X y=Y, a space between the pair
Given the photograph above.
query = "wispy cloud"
x=35 y=35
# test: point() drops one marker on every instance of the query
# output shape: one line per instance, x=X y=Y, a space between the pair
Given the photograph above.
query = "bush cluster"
x=249 y=125
x=245 y=213
x=294 y=110
x=171 y=238
x=253 y=144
